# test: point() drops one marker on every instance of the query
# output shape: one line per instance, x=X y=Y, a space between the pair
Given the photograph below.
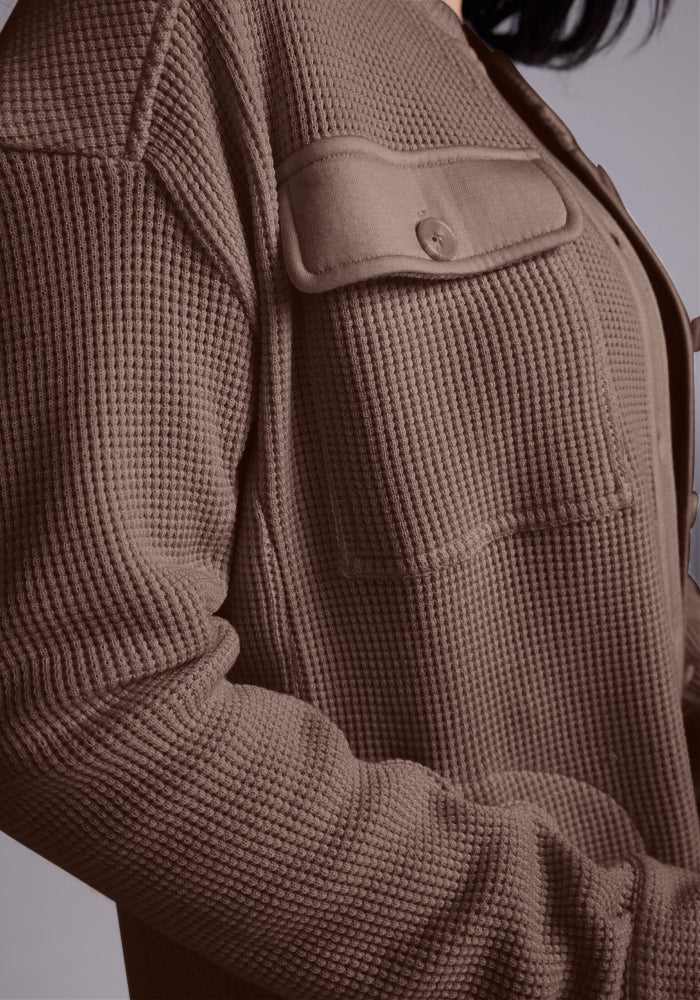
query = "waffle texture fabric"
x=346 y=636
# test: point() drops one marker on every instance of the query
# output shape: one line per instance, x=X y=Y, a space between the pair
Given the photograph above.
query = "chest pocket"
x=448 y=359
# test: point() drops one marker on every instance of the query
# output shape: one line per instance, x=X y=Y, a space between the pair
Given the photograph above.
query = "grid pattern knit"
x=335 y=645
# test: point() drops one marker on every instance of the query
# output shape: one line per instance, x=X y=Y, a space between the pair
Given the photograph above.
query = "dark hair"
x=537 y=37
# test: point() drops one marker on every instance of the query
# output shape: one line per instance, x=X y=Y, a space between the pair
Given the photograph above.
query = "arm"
x=233 y=818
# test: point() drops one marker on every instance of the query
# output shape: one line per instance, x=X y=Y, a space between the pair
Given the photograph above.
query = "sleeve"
x=233 y=818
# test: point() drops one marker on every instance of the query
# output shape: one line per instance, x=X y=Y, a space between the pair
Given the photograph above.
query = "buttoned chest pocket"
x=445 y=354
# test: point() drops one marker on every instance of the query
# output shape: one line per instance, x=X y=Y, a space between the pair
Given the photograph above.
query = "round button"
x=436 y=238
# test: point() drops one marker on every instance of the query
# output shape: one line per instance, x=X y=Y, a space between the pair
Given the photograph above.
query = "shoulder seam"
x=149 y=79
x=95 y=154
x=197 y=237
x=152 y=172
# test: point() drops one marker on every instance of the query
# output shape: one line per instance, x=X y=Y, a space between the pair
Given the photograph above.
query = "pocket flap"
x=350 y=209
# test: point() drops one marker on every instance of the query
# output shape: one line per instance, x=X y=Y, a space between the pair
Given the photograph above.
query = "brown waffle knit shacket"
x=346 y=435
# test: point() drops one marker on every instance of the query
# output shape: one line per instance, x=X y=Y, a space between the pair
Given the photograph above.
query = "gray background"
x=637 y=113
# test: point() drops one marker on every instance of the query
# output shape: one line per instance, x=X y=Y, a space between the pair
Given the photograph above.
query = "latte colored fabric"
x=347 y=639
x=637 y=333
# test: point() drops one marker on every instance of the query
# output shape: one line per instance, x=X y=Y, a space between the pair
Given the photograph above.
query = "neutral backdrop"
x=637 y=113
